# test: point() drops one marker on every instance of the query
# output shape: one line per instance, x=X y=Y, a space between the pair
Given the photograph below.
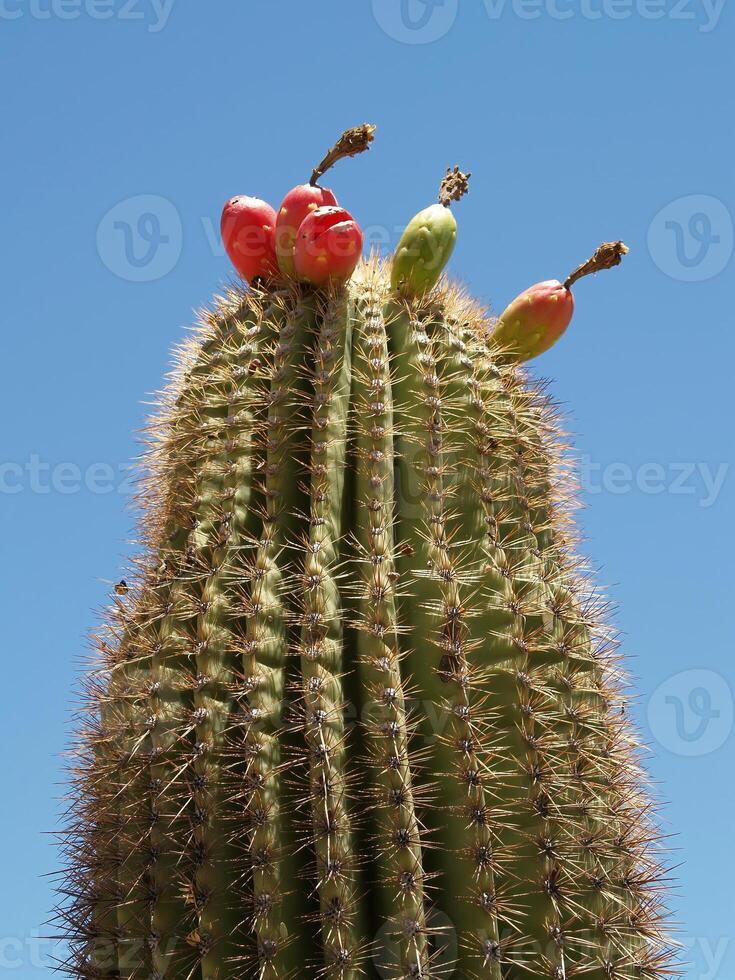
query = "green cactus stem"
x=428 y=241
x=357 y=714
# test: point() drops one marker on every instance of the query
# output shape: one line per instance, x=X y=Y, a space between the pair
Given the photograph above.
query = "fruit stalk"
x=351 y=143
x=607 y=256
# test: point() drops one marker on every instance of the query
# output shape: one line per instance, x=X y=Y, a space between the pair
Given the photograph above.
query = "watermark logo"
x=691 y=713
x=20 y=952
x=154 y=14
x=41 y=477
x=424 y=21
x=704 y=13
x=415 y=21
x=140 y=239
x=701 y=481
x=691 y=238
x=705 y=956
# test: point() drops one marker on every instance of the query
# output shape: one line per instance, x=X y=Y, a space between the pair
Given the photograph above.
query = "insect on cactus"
x=357 y=714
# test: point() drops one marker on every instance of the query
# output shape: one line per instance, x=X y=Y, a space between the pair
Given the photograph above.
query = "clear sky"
x=127 y=123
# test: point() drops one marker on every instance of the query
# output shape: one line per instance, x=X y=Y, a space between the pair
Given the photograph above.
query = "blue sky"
x=127 y=123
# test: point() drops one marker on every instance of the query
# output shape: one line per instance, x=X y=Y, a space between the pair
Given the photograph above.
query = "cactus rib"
x=401 y=884
x=277 y=906
x=322 y=645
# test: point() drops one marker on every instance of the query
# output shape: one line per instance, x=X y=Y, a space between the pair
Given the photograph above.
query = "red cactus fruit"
x=306 y=198
x=296 y=206
x=248 y=229
x=328 y=246
x=535 y=320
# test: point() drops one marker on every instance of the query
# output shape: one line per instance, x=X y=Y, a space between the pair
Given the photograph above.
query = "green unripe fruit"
x=424 y=250
x=428 y=241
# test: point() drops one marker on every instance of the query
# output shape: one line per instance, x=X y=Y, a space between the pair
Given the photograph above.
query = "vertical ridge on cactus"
x=358 y=714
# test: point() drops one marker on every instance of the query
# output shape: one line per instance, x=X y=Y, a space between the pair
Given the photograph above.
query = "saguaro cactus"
x=357 y=714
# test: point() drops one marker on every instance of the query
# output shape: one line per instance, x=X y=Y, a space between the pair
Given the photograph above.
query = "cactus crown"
x=356 y=713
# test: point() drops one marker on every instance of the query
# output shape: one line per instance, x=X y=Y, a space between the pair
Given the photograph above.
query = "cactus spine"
x=358 y=715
